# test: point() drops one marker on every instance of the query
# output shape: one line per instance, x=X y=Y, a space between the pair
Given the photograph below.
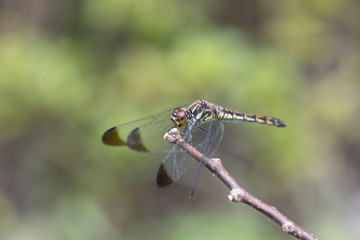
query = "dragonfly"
x=199 y=123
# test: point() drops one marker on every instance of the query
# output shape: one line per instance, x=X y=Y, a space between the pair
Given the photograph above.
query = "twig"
x=237 y=193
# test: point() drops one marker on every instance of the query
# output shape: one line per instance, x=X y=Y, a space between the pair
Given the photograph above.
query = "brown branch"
x=237 y=193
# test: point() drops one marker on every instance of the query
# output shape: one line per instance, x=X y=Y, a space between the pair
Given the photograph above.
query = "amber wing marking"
x=111 y=137
x=163 y=179
x=134 y=141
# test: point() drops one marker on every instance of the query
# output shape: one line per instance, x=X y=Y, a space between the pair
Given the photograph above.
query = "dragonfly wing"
x=206 y=138
x=144 y=135
x=174 y=165
x=150 y=137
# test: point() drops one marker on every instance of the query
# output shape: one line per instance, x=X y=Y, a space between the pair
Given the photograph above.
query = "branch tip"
x=172 y=135
x=217 y=160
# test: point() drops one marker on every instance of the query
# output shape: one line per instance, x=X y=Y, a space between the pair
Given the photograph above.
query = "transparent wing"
x=205 y=137
x=144 y=135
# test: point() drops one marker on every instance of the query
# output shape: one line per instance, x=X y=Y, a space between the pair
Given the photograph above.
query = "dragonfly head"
x=179 y=117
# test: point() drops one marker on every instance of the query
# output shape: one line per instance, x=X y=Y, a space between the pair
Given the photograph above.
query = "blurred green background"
x=69 y=70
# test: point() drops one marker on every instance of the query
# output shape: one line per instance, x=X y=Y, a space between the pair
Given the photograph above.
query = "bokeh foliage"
x=71 y=69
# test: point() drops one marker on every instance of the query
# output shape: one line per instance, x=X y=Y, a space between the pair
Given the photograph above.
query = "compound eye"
x=179 y=117
x=176 y=110
x=180 y=114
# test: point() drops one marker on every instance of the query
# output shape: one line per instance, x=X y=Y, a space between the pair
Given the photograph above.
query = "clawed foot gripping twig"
x=239 y=194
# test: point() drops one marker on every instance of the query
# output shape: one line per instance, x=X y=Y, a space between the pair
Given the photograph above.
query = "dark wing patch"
x=134 y=141
x=111 y=137
x=163 y=179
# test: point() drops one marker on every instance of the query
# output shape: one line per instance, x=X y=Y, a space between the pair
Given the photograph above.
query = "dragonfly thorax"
x=179 y=116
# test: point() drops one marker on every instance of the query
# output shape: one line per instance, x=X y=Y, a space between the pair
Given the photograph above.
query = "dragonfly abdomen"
x=228 y=115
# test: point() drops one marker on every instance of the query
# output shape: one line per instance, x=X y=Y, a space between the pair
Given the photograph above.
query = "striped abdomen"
x=228 y=115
